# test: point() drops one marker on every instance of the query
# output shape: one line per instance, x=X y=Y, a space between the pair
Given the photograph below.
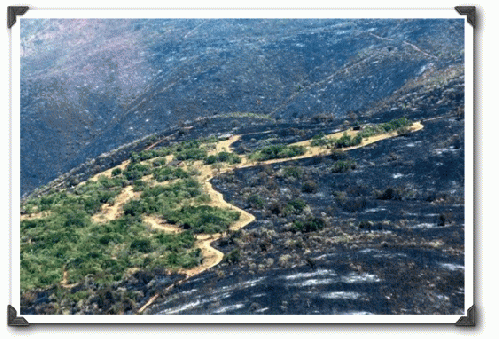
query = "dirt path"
x=113 y=212
x=158 y=223
x=35 y=215
x=313 y=151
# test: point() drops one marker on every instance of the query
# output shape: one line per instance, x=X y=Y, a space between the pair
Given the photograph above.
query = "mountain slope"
x=89 y=86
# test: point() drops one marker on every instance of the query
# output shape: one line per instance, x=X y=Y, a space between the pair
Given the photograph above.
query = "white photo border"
x=138 y=13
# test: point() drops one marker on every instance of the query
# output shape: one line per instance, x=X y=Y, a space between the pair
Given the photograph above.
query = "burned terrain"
x=335 y=188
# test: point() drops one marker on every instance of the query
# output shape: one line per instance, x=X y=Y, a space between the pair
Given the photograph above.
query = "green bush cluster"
x=159 y=162
x=67 y=240
x=88 y=197
x=189 y=150
x=255 y=201
x=309 y=186
x=116 y=171
x=154 y=153
x=203 y=218
x=399 y=124
x=342 y=166
x=278 y=151
x=293 y=172
x=309 y=225
x=135 y=171
x=319 y=140
x=166 y=173
x=295 y=206
x=73 y=243
x=226 y=157
x=160 y=199
x=347 y=141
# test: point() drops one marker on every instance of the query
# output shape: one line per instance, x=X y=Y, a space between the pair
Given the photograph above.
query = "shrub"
x=292 y=171
x=139 y=185
x=338 y=155
x=343 y=166
x=159 y=162
x=226 y=157
x=395 y=124
x=275 y=208
x=136 y=171
x=116 y=171
x=295 y=206
x=255 y=201
x=309 y=187
x=141 y=245
x=203 y=219
x=390 y=194
x=278 y=151
x=167 y=173
x=233 y=256
x=309 y=225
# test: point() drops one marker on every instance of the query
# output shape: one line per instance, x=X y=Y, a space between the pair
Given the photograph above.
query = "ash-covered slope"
x=88 y=86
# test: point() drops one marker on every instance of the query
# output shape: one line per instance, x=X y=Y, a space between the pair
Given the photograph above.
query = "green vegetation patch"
x=135 y=171
x=167 y=173
x=189 y=150
x=309 y=225
x=164 y=198
x=277 y=151
x=227 y=157
x=342 y=166
x=295 y=206
x=203 y=218
x=71 y=242
x=399 y=125
x=292 y=172
x=88 y=197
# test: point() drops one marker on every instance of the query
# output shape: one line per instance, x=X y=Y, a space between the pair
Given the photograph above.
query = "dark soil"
x=393 y=241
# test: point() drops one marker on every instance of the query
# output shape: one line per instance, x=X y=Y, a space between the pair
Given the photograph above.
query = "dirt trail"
x=158 y=223
x=108 y=172
x=313 y=151
x=114 y=211
x=35 y=215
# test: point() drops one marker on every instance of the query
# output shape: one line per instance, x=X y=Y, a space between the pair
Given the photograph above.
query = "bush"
x=292 y=171
x=141 y=245
x=139 y=185
x=203 y=219
x=309 y=187
x=295 y=206
x=354 y=204
x=135 y=171
x=390 y=194
x=338 y=155
x=309 y=225
x=226 y=157
x=278 y=151
x=347 y=141
x=167 y=173
x=233 y=256
x=116 y=171
x=343 y=166
x=255 y=201
x=159 y=162
x=189 y=150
